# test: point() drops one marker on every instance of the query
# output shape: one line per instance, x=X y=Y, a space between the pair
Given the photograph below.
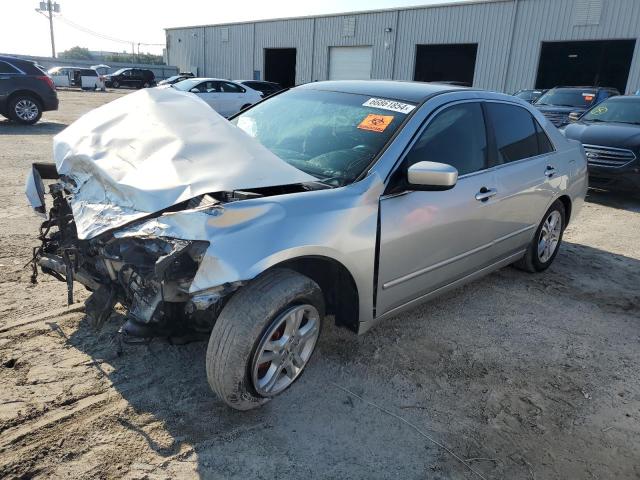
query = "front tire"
x=546 y=242
x=264 y=338
x=25 y=109
x=115 y=84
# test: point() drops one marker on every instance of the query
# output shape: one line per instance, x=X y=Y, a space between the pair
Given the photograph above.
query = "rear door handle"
x=550 y=171
x=485 y=194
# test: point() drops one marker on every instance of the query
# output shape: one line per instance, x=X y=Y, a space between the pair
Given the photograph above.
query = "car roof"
x=624 y=98
x=585 y=87
x=16 y=60
x=205 y=79
x=257 y=81
x=414 y=92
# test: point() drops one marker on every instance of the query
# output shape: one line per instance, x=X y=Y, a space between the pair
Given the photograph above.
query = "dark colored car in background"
x=265 y=88
x=530 y=95
x=131 y=77
x=559 y=102
x=175 y=79
x=25 y=90
x=610 y=135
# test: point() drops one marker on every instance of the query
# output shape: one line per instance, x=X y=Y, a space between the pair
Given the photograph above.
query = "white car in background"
x=85 y=78
x=224 y=96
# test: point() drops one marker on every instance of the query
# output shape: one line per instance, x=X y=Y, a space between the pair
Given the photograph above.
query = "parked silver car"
x=354 y=199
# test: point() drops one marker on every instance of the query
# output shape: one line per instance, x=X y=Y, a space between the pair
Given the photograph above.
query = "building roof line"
x=340 y=14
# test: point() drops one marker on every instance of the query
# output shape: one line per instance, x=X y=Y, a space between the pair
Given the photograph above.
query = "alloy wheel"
x=549 y=236
x=285 y=349
x=26 y=110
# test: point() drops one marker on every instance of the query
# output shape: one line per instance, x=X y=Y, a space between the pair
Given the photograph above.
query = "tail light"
x=46 y=79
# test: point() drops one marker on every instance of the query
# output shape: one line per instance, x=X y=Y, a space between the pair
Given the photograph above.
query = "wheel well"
x=24 y=92
x=566 y=202
x=337 y=285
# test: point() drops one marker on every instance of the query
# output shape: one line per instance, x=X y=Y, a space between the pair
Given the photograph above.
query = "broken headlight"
x=161 y=258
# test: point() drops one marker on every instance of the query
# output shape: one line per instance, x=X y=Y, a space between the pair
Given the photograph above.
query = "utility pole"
x=53 y=42
x=48 y=8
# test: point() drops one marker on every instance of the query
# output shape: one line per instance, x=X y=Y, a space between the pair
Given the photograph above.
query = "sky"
x=25 y=31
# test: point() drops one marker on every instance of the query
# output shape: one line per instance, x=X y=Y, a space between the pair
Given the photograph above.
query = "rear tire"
x=25 y=109
x=247 y=322
x=546 y=241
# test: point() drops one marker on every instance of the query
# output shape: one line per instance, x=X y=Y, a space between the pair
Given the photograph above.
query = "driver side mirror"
x=575 y=116
x=195 y=90
x=431 y=176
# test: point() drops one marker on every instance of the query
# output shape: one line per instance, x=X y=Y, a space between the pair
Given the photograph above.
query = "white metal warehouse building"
x=502 y=45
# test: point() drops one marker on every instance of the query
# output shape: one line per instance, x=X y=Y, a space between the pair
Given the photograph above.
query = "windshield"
x=119 y=72
x=186 y=85
x=625 y=110
x=330 y=135
x=568 y=97
x=171 y=79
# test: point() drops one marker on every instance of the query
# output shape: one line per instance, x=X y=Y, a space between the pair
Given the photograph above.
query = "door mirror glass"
x=431 y=176
x=195 y=90
x=574 y=116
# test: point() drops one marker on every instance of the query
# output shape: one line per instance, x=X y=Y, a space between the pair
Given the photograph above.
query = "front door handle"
x=485 y=194
x=550 y=171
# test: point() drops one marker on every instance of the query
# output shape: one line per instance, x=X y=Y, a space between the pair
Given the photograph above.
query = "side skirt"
x=366 y=326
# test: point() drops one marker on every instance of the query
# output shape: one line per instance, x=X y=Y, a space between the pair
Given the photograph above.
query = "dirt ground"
x=522 y=376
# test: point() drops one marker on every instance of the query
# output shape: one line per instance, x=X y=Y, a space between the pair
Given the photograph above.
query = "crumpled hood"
x=155 y=148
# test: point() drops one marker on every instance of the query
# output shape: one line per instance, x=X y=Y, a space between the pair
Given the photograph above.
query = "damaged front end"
x=157 y=154
x=148 y=276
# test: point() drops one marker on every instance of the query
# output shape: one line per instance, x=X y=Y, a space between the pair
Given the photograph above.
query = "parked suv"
x=131 y=77
x=25 y=90
x=559 y=102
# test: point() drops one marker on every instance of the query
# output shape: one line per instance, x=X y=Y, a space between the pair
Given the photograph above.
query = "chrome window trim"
x=425 y=120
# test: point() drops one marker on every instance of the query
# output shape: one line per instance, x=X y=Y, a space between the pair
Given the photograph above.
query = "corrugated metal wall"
x=509 y=34
x=487 y=24
x=555 y=20
x=295 y=33
x=369 y=30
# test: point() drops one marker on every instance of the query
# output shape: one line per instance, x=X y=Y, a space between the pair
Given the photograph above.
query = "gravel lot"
x=523 y=376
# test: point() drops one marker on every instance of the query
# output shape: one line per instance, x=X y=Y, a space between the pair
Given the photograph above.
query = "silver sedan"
x=355 y=199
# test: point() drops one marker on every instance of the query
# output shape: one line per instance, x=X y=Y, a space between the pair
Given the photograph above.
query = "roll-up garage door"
x=350 y=63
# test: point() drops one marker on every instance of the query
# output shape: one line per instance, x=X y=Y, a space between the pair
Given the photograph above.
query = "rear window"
x=568 y=97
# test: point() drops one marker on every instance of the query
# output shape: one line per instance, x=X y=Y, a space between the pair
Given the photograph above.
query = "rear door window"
x=515 y=132
x=229 y=87
x=6 y=68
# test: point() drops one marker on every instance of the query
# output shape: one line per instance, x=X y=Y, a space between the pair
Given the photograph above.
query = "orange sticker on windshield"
x=376 y=123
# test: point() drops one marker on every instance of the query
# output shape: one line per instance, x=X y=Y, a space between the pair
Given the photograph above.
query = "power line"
x=103 y=36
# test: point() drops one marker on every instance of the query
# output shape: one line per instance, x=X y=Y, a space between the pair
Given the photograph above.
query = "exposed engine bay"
x=149 y=276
